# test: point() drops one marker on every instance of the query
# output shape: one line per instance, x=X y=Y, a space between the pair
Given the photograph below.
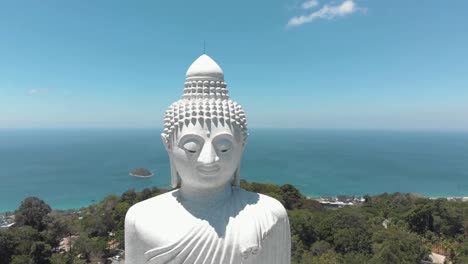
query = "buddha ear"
x=236 y=179
x=165 y=142
x=175 y=178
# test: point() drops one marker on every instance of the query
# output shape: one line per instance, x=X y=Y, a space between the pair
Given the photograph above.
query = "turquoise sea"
x=70 y=168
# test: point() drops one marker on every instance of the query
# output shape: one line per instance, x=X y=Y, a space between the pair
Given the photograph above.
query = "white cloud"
x=309 y=4
x=32 y=91
x=37 y=91
x=327 y=12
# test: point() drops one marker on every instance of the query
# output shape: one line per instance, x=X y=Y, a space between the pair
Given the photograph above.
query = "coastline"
x=357 y=198
x=317 y=163
x=341 y=201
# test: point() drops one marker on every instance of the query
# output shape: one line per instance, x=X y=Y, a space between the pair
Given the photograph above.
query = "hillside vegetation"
x=388 y=228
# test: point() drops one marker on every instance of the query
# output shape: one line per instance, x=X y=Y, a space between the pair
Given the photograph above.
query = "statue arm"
x=131 y=238
x=281 y=235
x=278 y=243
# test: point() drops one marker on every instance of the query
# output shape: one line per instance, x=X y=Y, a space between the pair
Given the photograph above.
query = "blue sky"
x=314 y=64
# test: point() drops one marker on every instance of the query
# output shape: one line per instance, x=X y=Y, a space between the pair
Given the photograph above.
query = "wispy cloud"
x=309 y=4
x=38 y=91
x=347 y=7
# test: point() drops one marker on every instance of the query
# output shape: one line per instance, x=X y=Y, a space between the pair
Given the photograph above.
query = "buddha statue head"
x=205 y=132
x=206 y=220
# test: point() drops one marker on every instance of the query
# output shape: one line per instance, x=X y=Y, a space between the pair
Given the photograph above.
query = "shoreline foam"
x=141 y=176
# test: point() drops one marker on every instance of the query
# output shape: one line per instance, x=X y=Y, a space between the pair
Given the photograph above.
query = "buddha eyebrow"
x=191 y=136
x=225 y=135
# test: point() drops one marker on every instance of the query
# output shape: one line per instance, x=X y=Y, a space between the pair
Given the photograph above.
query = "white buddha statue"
x=209 y=219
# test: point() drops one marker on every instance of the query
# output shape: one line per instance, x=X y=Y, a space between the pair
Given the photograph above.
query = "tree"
x=352 y=239
x=367 y=199
x=20 y=259
x=291 y=196
x=395 y=245
x=33 y=212
x=83 y=245
x=99 y=219
x=386 y=256
x=346 y=229
x=119 y=214
x=311 y=204
x=58 y=259
x=297 y=249
x=40 y=253
x=320 y=247
x=330 y=257
x=420 y=219
x=145 y=194
x=120 y=238
x=129 y=197
x=302 y=225
x=245 y=184
x=25 y=236
x=156 y=191
x=461 y=253
x=56 y=230
x=356 y=258
x=447 y=219
x=93 y=225
x=105 y=210
x=436 y=216
x=7 y=247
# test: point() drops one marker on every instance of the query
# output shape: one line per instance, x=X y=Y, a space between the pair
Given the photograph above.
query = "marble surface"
x=207 y=218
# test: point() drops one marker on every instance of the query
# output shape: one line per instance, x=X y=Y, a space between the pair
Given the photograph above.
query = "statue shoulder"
x=158 y=220
x=274 y=205
x=154 y=205
x=265 y=202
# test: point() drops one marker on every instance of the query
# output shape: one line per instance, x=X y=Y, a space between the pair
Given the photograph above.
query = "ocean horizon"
x=72 y=168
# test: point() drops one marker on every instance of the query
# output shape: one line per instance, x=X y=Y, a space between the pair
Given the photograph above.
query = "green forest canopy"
x=415 y=226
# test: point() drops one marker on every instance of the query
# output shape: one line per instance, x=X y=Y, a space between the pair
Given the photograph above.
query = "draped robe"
x=245 y=228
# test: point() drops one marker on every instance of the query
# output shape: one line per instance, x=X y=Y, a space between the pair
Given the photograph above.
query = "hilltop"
x=397 y=228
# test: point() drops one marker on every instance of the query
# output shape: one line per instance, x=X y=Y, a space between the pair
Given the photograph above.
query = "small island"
x=141 y=173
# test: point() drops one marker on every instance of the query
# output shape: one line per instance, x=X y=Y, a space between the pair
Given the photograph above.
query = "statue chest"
x=217 y=238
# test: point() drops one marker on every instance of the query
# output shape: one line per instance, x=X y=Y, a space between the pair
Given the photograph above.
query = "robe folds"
x=245 y=228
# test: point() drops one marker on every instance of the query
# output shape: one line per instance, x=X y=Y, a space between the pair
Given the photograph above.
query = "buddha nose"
x=208 y=155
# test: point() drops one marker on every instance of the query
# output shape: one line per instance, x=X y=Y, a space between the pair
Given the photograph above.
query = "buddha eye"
x=191 y=146
x=223 y=145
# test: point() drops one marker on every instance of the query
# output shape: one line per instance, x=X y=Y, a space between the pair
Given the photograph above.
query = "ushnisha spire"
x=205 y=99
x=205 y=80
x=205 y=68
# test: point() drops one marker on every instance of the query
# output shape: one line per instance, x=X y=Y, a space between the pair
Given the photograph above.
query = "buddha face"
x=206 y=156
